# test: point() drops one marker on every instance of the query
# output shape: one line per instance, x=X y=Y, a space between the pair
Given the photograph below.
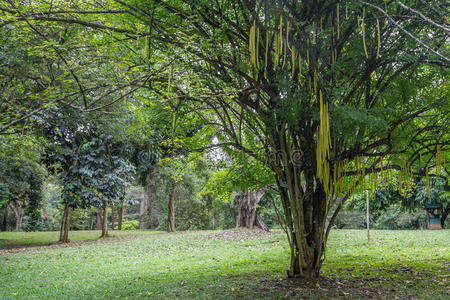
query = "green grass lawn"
x=22 y=239
x=230 y=265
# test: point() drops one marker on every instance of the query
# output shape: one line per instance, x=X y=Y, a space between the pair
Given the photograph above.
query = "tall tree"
x=328 y=88
x=331 y=90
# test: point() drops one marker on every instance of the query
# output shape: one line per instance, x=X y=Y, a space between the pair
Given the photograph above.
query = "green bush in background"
x=130 y=224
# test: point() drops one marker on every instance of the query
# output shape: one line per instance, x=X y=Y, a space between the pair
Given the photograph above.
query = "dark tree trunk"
x=247 y=216
x=61 y=228
x=445 y=214
x=112 y=217
x=65 y=224
x=304 y=201
x=105 y=221
x=120 y=212
x=171 y=213
x=99 y=220
x=216 y=220
x=142 y=211
x=150 y=193
x=5 y=219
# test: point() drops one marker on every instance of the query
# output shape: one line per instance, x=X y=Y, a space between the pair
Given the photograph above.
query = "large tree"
x=331 y=90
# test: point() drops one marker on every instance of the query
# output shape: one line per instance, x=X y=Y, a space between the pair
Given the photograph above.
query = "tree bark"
x=99 y=220
x=105 y=220
x=445 y=213
x=65 y=225
x=150 y=192
x=142 y=211
x=19 y=222
x=171 y=213
x=247 y=216
x=304 y=201
x=5 y=219
x=120 y=212
x=216 y=220
x=61 y=228
x=18 y=212
x=112 y=217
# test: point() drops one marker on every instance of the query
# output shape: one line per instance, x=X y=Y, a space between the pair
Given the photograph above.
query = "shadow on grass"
x=208 y=284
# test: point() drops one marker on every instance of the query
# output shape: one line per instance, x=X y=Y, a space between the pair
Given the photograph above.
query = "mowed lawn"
x=30 y=239
x=232 y=264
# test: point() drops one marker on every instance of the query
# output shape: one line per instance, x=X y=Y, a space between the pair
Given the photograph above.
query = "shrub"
x=30 y=223
x=130 y=224
x=396 y=218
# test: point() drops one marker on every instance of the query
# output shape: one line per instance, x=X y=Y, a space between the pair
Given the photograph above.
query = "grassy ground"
x=230 y=265
x=26 y=239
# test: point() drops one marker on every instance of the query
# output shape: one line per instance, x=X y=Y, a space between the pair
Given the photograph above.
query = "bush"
x=30 y=223
x=353 y=219
x=130 y=224
x=396 y=218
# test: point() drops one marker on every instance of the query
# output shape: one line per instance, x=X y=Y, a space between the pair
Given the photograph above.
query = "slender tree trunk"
x=150 y=193
x=99 y=220
x=142 y=211
x=105 y=221
x=445 y=213
x=5 y=218
x=120 y=212
x=216 y=220
x=65 y=225
x=91 y=222
x=247 y=202
x=112 y=217
x=61 y=229
x=171 y=213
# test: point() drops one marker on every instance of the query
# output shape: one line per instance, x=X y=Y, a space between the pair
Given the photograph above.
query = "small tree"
x=106 y=173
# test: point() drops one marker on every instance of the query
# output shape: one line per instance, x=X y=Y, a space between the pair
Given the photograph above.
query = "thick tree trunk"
x=306 y=228
x=105 y=221
x=19 y=222
x=304 y=201
x=142 y=211
x=65 y=225
x=18 y=212
x=247 y=216
x=5 y=219
x=121 y=211
x=150 y=192
x=171 y=213
x=112 y=217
